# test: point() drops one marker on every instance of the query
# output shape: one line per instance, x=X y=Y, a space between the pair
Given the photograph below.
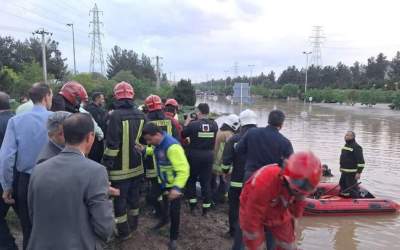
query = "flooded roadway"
x=322 y=131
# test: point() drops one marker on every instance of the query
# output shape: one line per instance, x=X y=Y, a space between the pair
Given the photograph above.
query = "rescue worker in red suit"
x=272 y=200
x=170 y=110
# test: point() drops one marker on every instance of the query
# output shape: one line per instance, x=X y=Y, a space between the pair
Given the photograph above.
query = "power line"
x=96 y=55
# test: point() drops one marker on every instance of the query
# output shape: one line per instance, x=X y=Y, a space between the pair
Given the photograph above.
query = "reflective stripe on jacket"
x=172 y=165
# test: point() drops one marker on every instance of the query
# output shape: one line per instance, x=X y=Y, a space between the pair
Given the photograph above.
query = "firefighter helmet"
x=172 y=102
x=232 y=121
x=74 y=93
x=153 y=103
x=303 y=172
x=248 y=117
x=123 y=90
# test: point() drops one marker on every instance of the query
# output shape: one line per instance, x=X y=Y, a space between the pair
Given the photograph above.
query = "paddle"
x=347 y=189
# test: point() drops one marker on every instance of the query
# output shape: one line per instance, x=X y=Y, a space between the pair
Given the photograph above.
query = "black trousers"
x=169 y=209
x=23 y=211
x=7 y=241
x=219 y=188
x=127 y=204
x=347 y=180
x=234 y=202
x=201 y=163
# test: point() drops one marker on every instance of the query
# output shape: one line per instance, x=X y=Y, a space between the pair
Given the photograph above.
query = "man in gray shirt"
x=68 y=194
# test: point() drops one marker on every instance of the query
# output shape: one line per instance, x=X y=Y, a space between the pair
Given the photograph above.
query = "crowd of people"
x=63 y=157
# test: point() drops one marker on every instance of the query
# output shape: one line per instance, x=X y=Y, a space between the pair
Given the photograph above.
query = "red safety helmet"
x=303 y=172
x=153 y=103
x=74 y=92
x=172 y=102
x=123 y=90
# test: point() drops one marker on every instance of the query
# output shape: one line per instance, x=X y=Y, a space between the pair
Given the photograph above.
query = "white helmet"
x=248 y=117
x=232 y=121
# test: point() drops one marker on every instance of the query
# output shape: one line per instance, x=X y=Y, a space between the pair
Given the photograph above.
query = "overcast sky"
x=203 y=38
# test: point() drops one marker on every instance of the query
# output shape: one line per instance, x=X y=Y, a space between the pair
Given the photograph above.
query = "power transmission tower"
x=42 y=32
x=236 y=69
x=317 y=39
x=96 y=55
x=158 y=70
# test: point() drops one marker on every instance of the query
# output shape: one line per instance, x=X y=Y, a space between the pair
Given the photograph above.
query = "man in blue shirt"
x=25 y=136
x=264 y=146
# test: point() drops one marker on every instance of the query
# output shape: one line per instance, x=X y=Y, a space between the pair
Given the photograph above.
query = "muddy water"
x=322 y=131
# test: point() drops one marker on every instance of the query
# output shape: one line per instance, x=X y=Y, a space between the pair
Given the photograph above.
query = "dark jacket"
x=202 y=134
x=49 y=151
x=4 y=117
x=123 y=132
x=166 y=123
x=352 y=158
x=98 y=114
x=235 y=161
x=68 y=203
x=264 y=146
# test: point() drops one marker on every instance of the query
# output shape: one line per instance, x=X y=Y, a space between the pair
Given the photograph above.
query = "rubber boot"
x=193 y=208
x=123 y=231
x=205 y=211
x=133 y=222
x=172 y=245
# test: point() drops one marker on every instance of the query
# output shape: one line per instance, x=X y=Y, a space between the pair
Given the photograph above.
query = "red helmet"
x=172 y=102
x=303 y=172
x=74 y=92
x=153 y=103
x=123 y=90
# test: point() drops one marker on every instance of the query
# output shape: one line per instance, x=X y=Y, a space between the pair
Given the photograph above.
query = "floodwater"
x=322 y=131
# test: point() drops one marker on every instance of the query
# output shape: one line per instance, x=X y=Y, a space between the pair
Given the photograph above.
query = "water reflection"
x=322 y=131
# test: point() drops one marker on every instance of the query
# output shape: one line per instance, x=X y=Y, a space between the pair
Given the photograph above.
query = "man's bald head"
x=4 y=101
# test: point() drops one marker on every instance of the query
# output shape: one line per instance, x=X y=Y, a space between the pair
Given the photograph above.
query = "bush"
x=290 y=90
x=396 y=101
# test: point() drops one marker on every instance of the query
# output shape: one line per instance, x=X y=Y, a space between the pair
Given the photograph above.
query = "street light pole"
x=307 y=53
x=251 y=66
x=73 y=44
x=226 y=76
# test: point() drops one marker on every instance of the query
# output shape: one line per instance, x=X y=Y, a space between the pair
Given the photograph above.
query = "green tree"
x=184 y=93
x=128 y=60
x=290 y=90
x=8 y=80
x=376 y=69
x=55 y=63
x=394 y=73
x=290 y=75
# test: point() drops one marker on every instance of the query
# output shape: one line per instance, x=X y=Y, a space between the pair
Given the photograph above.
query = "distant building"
x=241 y=93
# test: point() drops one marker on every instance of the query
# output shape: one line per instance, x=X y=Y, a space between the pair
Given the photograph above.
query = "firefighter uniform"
x=124 y=163
x=234 y=163
x=202 y=134
x=173 y=172
x=351 y=163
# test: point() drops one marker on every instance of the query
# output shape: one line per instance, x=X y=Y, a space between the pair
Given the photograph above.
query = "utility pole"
x=42 y=32
x=251 y=66
x=158 y=70
x=96 y=55
x=73 y=44
x=307 y=53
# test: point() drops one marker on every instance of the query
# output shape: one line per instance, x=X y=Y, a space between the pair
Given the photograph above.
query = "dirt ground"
x=196 y=232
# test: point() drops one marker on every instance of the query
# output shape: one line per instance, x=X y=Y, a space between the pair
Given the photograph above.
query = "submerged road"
x=322 y=130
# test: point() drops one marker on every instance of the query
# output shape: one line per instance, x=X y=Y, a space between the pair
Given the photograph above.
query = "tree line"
x=378 y=72
x=21 y=65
